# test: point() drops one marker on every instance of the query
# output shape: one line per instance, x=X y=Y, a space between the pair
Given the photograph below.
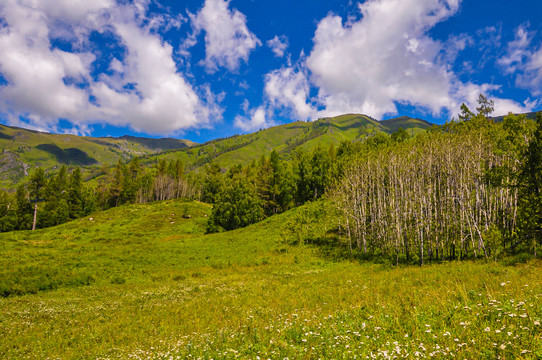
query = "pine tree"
x=75 y=194
x=24 y=209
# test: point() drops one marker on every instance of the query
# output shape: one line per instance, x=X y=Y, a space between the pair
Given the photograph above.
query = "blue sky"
x=213 y=68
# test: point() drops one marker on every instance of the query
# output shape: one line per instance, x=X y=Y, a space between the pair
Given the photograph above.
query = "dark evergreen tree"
x=75 y=194
x=24 y=209
x=303 y=178
x=319 y=173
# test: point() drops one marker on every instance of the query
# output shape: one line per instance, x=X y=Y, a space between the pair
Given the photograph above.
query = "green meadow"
x=146 y=282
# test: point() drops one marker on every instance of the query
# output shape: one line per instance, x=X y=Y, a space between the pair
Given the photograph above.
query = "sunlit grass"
x=161 y=289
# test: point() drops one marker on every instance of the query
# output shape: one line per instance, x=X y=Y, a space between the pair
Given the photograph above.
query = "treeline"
x=468 y=189
x=245 y=195
x=64 y=196
x=60 y=198
x=128 y=183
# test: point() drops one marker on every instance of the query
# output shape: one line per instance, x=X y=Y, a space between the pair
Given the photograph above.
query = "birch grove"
x=427 y=199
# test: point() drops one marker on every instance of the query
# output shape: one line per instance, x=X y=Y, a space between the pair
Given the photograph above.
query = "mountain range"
x=21 y=150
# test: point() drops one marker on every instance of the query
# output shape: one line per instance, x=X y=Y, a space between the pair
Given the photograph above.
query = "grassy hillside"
x=290 y=137
x=144 y=281
x=21 y=150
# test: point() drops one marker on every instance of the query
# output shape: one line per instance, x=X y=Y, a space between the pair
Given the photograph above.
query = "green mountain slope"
x=530 y=115
x=21 y=150
x=285 y=139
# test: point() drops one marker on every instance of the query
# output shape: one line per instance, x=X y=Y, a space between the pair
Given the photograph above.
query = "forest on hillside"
x=468 y=189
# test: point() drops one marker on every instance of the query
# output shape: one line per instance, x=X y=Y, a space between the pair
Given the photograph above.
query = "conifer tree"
x=24 y=209
x=75 y=194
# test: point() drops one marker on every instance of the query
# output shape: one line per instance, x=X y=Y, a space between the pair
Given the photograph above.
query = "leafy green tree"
x=400 y=135
x=303 y=178
x=286 y=187
x=320 y=172
x=465 y=114
x=380 y=139
x=212 y=183
x=37 y=190
x=530 y=183
x=24 y=209
x=236 y=205
x=8 y=221
x=485 y=106
x=132 y=180
x=117 y=190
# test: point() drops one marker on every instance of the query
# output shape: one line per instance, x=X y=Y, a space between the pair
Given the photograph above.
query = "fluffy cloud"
x=525 y=63
x=288 y=88
x=366 y=67
x=388 y=57
x=278 y=45
x=256 y=119
x=45 y=84
x=36 y=73
x=227 y=38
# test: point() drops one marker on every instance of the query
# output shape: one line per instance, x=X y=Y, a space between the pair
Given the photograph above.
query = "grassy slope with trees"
x=156 y=284
x=286 y=139
x=145 y=281
x=22 y=150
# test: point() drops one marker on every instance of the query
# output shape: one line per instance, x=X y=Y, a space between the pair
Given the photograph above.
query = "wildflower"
x=503 y=284
x=487 y=329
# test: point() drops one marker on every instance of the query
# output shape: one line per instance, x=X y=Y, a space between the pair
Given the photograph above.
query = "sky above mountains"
x=207 y=69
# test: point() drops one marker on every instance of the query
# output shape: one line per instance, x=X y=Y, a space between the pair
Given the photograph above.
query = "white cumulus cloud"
x=388 y=57
x=525 y=63
x=45 y=84
x=289 y=88
x=255 y=119
x=278 y=45
x=228 y=41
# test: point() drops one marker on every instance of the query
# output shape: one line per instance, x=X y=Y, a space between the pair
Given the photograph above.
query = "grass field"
x=144 y=282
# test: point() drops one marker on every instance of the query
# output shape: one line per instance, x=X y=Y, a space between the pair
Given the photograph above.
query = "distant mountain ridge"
x=291 y=137
x=530 y=115
x=21 y=149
